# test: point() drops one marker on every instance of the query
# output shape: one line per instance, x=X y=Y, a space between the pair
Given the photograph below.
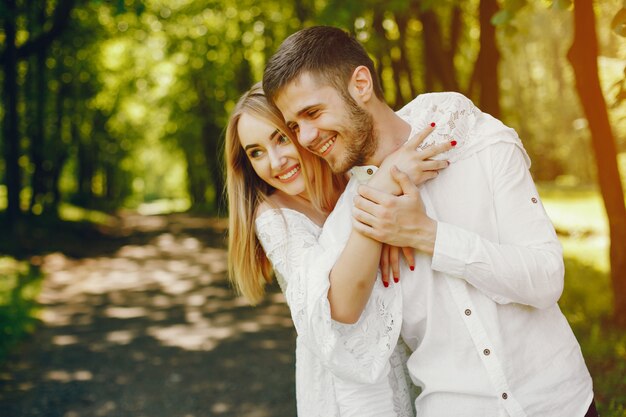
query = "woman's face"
x=273 y=155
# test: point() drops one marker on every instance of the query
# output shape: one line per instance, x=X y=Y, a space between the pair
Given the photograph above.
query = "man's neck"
x=392 y=131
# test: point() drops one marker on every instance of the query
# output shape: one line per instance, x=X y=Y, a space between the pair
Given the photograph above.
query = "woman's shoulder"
x=443 y=102
x=273 y=213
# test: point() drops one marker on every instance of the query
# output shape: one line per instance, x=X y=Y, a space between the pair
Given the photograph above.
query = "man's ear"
x=361 y=86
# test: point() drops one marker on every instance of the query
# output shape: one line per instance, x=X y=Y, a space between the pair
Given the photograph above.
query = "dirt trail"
x=146 y=325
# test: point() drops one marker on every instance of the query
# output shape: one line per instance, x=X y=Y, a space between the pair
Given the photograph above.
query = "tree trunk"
x=403 y=22
x=438 y=60
x=381 y=50
x=583 y=56
x=212 y=154
x=11 y=122
x=487 y=61
x=40 y=177
x=62 y=154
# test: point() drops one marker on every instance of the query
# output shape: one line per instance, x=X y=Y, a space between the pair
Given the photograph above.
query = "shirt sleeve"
x=358 y=352
x=525 y=264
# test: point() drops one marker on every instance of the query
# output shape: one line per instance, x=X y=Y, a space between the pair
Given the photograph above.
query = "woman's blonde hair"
x=248 y=267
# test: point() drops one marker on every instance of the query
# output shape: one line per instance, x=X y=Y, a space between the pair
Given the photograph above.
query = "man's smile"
x=326 y=146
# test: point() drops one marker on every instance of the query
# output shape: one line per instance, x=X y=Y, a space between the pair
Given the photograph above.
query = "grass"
x=578 y=215
x=20 y=283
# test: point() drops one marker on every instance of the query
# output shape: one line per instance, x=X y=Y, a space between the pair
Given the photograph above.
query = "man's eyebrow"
x=306 y=109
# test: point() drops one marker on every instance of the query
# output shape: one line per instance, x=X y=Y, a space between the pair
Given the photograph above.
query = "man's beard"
x=359 y=137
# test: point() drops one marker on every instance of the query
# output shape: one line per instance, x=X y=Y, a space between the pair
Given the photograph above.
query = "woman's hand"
x=416 y=163
x=390 y=261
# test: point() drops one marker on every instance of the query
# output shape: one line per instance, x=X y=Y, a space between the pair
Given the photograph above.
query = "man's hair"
x=329 y=54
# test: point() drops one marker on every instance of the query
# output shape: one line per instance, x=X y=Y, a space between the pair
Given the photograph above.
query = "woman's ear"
x=361 y=86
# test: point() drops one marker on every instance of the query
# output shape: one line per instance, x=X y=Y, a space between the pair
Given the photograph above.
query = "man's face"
x=327 y=124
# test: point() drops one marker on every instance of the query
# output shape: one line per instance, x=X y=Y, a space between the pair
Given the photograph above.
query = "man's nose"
x=307 y=134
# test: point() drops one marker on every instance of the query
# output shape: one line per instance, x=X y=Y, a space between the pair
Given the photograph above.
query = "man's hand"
x=396 y=220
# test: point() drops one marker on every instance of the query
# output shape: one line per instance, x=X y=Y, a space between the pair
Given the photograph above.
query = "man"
x=479 y=310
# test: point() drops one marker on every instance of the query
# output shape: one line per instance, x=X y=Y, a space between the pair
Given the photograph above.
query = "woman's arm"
x=357 y=353
x=353 y=275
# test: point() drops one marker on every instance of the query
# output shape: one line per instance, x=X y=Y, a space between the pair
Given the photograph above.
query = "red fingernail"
x=432 y=124
x=396 y=279
x=453 y=143
x=386 y=284
x=412 y=268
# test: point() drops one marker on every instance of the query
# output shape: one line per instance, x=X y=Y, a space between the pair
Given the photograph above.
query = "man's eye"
x=312 y=113
x=294 y=127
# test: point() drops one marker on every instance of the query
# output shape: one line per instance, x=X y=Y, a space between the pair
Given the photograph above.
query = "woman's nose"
x=277 y=159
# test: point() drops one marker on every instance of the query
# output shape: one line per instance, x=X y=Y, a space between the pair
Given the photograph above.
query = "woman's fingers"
x=419 y=137
x=434 y=150
x=394 y=260
x=434 y=165
x=384 y=265
x=409 y=257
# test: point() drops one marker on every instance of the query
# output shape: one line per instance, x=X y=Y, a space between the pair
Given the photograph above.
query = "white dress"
x=341 y=370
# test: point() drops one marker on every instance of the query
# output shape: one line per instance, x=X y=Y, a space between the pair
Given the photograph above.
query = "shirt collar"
x=363 y=173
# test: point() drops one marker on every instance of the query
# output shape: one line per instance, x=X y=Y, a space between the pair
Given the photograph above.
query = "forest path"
x=145 y=324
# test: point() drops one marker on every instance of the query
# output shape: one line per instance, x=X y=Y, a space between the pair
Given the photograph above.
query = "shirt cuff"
x=452 y=249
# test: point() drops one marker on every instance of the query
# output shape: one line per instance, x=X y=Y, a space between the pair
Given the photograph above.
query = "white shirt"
x=481 y=314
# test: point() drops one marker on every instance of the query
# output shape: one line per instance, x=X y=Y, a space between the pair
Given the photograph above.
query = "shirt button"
x=504 y=396
x=486 y=352
x=534 y=200
x=468 y=312
x=370 y=171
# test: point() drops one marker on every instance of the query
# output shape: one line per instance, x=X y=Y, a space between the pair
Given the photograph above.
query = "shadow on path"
x=150 y=327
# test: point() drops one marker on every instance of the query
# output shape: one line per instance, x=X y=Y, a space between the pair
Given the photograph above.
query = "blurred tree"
x=486 y=67
x=10 y=123
x=439 y=69
x=49 y=27
x=583 y=56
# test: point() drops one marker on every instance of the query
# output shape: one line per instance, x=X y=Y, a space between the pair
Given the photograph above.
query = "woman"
x=279 y=198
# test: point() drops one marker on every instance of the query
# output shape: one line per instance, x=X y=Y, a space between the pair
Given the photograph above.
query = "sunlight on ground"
x=65 y=376
x=579 y=217
x=164 y=206
x=149 y=281
x=74 y=213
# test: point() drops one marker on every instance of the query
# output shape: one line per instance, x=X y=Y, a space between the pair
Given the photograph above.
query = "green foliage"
x=562 y=4
x=586 y=303
x=139 y=91
x=20 y=283
x=619 y=22
x=579 y=217
x=508 y=12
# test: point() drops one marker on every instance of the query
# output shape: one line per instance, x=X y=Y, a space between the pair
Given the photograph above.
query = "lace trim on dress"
x=457 y=118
